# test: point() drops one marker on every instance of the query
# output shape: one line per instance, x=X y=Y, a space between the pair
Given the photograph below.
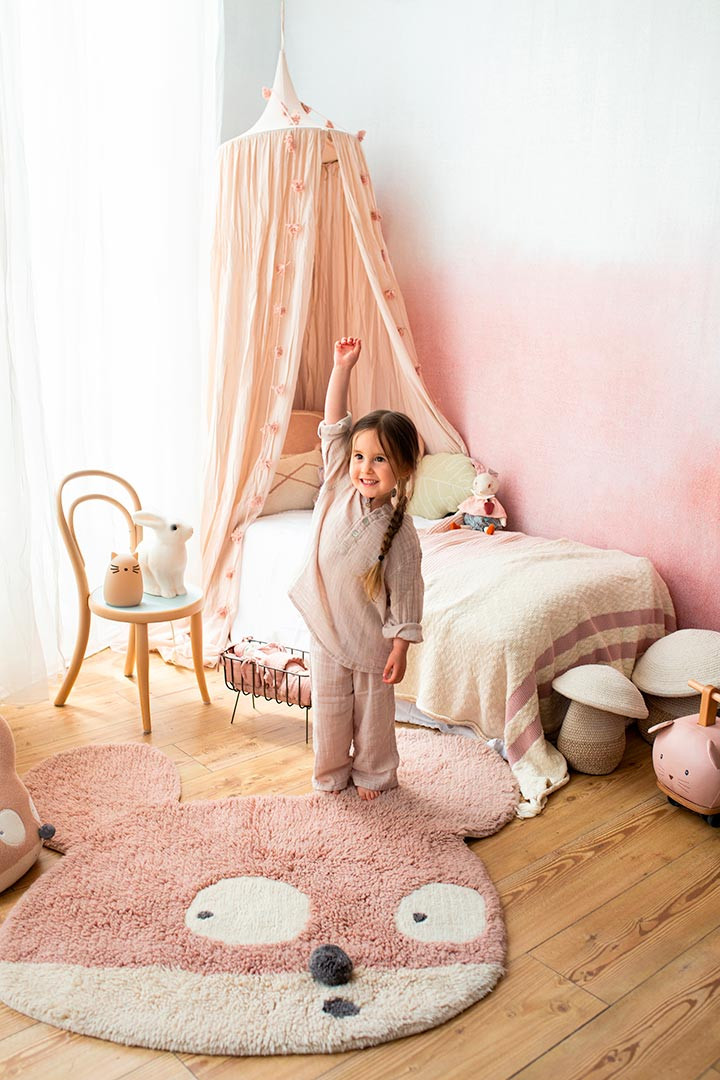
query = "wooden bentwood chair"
x=151 y=609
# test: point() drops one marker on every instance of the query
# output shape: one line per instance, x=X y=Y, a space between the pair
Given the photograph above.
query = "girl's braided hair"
x=399 y=439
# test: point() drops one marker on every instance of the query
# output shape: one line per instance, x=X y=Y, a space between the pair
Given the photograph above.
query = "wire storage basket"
x=250 y=676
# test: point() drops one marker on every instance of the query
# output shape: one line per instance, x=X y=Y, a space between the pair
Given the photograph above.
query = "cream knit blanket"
x=504 y=615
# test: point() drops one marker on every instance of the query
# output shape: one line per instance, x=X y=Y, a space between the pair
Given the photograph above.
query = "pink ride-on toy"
x=686 y=757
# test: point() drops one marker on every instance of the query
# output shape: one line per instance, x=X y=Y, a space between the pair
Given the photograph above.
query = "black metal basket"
x=285 y=685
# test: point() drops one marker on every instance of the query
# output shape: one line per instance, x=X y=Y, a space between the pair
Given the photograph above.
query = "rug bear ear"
x=454 y=784
x=85 y=792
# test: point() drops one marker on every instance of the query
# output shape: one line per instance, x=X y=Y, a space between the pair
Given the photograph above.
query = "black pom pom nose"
x=45 y=832
x=330 y=965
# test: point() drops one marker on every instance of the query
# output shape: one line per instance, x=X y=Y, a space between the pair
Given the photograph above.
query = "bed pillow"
x=441 y=483
x=295 y=484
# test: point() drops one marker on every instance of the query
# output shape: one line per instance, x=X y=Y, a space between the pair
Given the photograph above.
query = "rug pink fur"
x=191 y=926
x=90 y=788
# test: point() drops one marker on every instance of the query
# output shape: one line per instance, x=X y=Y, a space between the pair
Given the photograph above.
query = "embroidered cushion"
x=295 y=484
x=441 y=483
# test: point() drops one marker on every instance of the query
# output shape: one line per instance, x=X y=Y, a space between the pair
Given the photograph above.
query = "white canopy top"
x=284 y=108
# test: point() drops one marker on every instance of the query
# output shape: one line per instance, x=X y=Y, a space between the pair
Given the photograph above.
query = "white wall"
x=549 y=177
x=252 y=40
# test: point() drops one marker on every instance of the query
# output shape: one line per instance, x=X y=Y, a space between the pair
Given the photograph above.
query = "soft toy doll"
x=482 y=510
x=21 y=834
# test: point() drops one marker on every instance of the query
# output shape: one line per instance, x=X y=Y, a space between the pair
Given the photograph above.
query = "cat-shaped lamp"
x=123 y=586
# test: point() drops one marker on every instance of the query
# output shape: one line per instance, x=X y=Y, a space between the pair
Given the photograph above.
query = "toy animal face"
x=686 y=759
x=20 y=840
x=336 y=923
x=180 y=530
x=485 y=483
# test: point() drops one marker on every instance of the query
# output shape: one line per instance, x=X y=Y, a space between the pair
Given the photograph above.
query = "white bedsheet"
x=274 y=553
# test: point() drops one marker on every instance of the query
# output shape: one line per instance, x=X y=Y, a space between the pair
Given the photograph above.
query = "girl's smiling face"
x=370 y=470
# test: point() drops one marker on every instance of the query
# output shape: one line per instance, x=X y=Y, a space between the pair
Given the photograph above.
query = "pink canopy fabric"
x=298 y=260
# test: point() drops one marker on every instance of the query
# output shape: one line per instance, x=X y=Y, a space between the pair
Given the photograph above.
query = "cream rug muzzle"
x=259 y=924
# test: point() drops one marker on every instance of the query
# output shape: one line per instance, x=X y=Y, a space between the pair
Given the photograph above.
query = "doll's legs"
x=375 y=756
x=332 y=709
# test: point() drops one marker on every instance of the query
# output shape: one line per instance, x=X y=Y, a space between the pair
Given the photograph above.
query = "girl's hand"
x=396 y=662
x=347 y=351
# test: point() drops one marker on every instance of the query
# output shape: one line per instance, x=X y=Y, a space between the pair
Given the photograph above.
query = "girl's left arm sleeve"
x=405 y=585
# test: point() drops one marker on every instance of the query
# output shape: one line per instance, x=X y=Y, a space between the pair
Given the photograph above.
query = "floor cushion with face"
x=21 y=831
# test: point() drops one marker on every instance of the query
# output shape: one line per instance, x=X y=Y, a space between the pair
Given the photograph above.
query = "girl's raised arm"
x=347 y=351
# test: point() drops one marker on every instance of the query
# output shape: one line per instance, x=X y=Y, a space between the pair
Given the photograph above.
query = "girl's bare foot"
x=367 y=793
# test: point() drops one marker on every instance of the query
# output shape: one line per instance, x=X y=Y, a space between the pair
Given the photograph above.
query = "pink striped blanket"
x=504 y=615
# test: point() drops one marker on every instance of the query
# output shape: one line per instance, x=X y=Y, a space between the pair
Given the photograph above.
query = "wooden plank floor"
x=612 y=901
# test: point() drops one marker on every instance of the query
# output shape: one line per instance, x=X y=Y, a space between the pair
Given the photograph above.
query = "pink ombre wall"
x=549 y=177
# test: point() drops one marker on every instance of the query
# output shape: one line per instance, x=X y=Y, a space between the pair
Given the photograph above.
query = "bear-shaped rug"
x=259 y=924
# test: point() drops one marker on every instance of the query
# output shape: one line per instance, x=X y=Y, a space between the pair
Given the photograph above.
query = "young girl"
x=361 y=591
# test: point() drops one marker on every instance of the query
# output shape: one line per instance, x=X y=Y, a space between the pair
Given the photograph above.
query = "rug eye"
x=12 y=830
x=248 y=911
x=441 y=912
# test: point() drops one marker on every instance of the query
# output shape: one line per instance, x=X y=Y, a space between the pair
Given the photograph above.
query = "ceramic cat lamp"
x=123 y=586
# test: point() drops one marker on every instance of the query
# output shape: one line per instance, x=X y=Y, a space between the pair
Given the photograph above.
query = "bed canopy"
x=298 y=260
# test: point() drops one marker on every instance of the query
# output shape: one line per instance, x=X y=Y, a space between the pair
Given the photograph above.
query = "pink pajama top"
x=347 y=537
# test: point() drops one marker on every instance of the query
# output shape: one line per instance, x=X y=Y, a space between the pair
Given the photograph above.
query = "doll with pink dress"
x=483 y=510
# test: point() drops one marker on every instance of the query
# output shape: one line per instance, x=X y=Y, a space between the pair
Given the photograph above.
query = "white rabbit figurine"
x=163 y=557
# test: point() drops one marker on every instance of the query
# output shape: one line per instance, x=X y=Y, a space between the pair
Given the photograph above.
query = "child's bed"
x=504 y=615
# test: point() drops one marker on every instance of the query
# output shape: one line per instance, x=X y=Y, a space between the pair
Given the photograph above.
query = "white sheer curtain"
x=110 y=118
x=29 y=612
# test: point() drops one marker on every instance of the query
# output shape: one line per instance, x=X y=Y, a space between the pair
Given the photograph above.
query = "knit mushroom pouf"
x=662 y=674
x=592 y=735
x=663 y=709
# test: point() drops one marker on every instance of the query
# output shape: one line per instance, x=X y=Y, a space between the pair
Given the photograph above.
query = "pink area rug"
x=259 y=924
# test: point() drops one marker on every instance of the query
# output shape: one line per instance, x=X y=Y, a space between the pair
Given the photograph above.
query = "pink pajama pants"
x=351 y=708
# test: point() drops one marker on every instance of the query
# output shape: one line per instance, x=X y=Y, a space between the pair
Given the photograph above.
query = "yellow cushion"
x=441 y=483
x=295 y=484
